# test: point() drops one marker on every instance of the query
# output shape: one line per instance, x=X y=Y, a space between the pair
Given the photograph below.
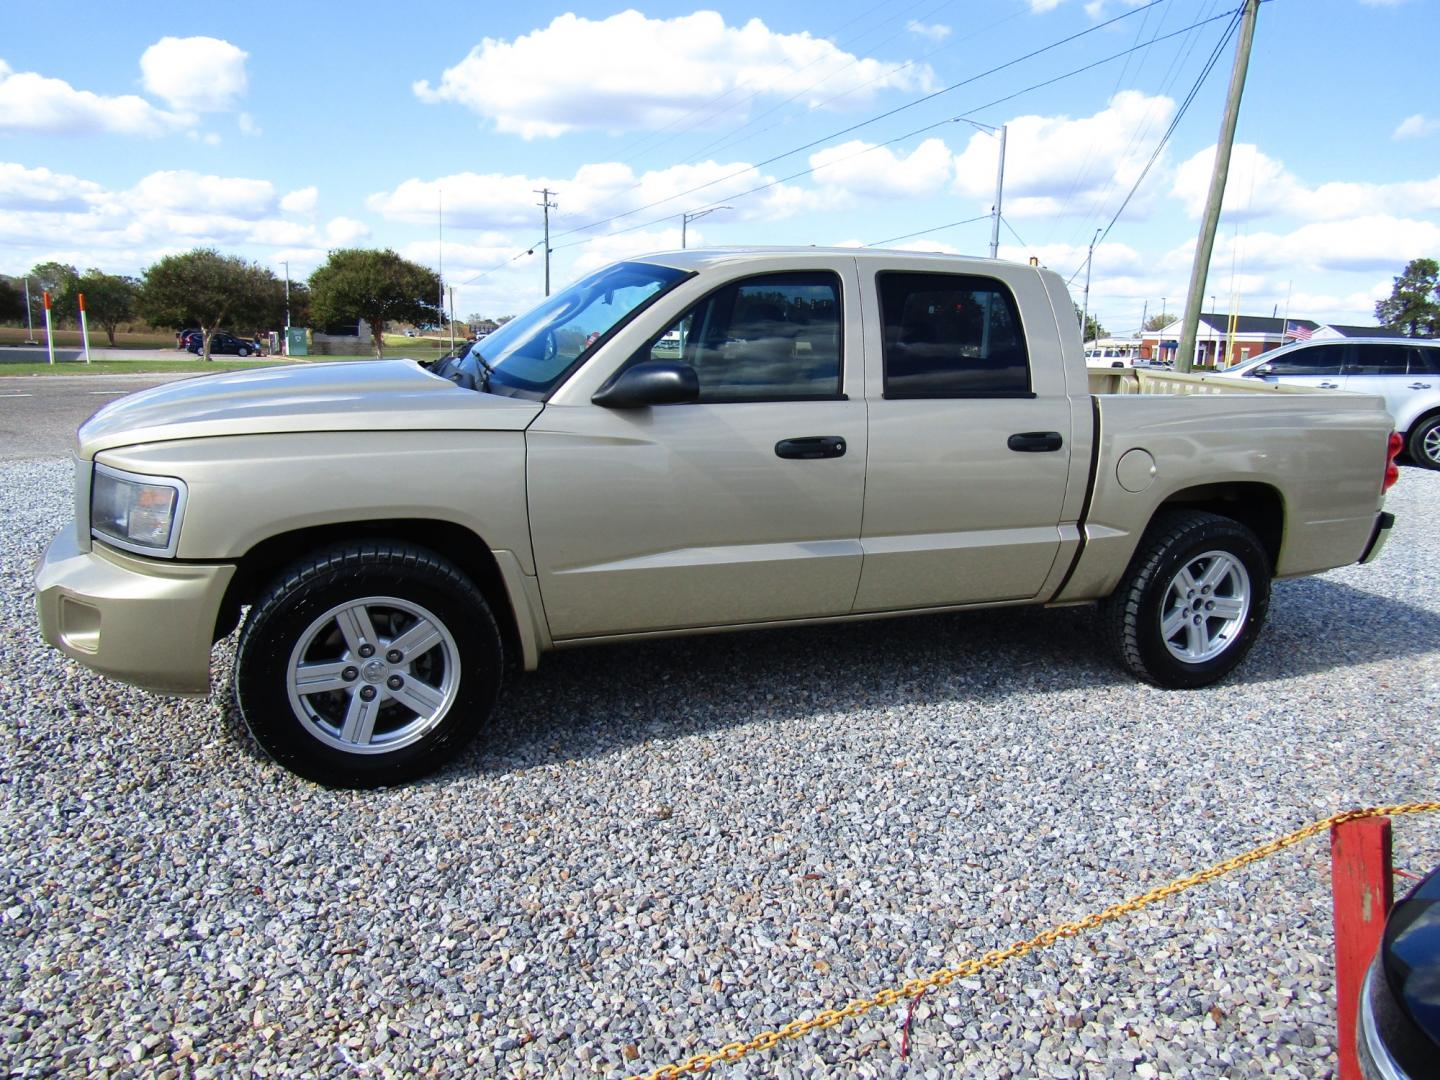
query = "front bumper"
x=144 y=621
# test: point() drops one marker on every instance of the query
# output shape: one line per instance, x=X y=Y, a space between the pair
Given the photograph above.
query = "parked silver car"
x=1404 y=371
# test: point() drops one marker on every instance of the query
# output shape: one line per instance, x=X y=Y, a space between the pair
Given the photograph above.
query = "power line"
x=877 y=146
x=854 y=127
x=875 y=119
x=924 y=232
x=1215 y=54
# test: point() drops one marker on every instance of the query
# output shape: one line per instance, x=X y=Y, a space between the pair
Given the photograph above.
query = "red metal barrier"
x=1360 y=876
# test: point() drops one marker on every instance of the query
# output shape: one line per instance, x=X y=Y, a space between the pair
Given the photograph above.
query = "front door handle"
x=811 y=447
x=1419 y=386
x=1329 y=386
x=1035 y=442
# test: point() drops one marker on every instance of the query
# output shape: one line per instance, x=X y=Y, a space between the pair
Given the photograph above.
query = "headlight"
x=137 y=513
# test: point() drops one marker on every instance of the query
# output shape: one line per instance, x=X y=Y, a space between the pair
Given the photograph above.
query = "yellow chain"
x=912 y=988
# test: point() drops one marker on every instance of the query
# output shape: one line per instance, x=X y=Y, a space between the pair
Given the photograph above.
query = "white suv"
x=1404 y=371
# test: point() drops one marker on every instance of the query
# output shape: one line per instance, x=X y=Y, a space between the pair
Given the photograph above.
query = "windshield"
x=529 y=355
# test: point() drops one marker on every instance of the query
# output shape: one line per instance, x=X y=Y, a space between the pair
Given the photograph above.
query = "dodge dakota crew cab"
x=685 y=442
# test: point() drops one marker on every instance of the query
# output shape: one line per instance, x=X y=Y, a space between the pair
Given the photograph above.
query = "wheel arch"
x=1419 y=421
x=464 y=548
x=1259 y=507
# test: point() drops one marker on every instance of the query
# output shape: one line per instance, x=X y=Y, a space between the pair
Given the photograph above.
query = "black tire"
x=1136 y=615
x=242 y=352
x=356 y=726
x=1424 y=443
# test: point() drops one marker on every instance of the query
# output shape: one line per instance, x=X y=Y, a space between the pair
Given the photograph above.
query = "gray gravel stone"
x=660 y=848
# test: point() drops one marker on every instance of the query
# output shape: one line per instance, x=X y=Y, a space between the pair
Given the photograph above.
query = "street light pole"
x=30 y=319
x=690 y=215
x=999 y=191
x=1000 y=133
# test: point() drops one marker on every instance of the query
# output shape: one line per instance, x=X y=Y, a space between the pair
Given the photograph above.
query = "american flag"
x=1298 y=332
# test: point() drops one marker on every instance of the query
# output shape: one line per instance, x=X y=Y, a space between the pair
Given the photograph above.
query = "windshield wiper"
x=486 y=367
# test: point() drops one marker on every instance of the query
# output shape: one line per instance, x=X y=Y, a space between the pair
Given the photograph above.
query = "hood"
x=369 y=395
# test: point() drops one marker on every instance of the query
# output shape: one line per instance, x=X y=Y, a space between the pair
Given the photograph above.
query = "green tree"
x=1093 y=330
x=58 y=279
x=109 y=299
x=1158 y=322
x=12 y=300
x=1413 y=306
x=206 y=289
x=376 y=286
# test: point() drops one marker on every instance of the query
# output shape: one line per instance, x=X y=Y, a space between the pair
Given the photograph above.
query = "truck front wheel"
x=368 y=663
x=1192 y=602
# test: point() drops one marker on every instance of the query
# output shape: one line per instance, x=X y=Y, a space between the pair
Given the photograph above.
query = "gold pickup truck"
x=687 y=442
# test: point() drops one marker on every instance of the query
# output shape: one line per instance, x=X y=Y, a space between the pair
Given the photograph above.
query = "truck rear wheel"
x=1192 y=602
x=368 y=663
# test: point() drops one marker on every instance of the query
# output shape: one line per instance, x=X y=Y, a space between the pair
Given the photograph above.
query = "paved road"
x=39 y=413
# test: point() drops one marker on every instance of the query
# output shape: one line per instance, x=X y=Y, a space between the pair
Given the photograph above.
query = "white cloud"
x=855 y=171
x=163 y=212
x=40 y=189
x=1416 y=127
x=33 y=104
x=1369 y=243
x=247 y=125
x=597 y=190
x=343 y=231
x=933 y=31
x=197 y=74
x=629 y=71
x=1056 y=165
x=182 y=190
x=300 y=201
x=606 y=249
x=1260 y=186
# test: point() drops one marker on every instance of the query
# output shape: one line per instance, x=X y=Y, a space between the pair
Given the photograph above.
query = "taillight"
x=1392 y=471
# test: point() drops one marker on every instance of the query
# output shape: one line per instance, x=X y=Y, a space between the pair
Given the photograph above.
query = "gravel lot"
x=661 y=848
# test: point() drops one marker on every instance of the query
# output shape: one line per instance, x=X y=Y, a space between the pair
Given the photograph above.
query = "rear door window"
x=1377 y=359
x=951 y=335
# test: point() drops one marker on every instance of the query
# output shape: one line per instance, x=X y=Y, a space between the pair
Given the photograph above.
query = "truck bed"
x=1163 y=437
x=1151 y=381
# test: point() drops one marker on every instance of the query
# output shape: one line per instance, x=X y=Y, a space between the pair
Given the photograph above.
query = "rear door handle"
x=1329 y=386
x=1035 y=442
x=1419 y=386
x=810 y=447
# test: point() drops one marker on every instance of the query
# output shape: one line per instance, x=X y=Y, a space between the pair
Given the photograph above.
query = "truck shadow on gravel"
x=597 y=700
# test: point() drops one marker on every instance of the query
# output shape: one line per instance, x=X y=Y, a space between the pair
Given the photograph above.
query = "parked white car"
x=1404 y=371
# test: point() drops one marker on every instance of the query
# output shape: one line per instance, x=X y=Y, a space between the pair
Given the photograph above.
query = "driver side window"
x=770 y=338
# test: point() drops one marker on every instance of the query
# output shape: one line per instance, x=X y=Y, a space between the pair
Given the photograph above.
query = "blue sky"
x=282 y=131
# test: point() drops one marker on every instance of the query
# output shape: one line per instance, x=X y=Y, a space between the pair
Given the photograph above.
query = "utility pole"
x=1206 y=244
x=999 y=191
x=452 y=318
x=1085 y=311
x=546 y=205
